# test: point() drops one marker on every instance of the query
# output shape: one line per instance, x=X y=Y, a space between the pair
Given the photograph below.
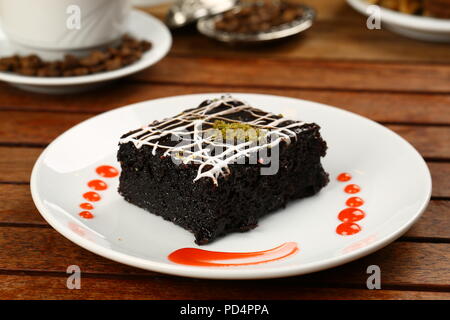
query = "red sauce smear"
x=351 y=215
x=86 y=214
x=86 y=206
x=77 y=229
x=352 y=188
x=107 y=171
x=354 y=202
x=92 y=196
x=344 y=177
x=98 y=185
x=205 y=258
x=348 y=228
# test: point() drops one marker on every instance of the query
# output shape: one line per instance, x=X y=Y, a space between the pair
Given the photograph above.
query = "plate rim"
x=98 y=77
x=227 y=273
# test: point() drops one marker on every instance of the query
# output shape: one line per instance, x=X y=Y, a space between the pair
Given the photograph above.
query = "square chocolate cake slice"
x=218 y=168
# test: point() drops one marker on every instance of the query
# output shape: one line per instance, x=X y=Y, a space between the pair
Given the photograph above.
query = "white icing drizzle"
x=189 y=127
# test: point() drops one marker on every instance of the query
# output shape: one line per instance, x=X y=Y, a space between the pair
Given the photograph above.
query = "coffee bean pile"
x=259 y=17
x=128 y=51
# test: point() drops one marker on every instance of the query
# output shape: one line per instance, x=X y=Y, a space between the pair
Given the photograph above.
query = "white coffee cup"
x=64 y=24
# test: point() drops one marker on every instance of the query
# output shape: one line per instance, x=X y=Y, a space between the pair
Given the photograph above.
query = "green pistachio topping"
x=236 y=131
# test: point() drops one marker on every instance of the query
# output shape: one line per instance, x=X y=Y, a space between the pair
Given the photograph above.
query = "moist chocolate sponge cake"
x=218 y=168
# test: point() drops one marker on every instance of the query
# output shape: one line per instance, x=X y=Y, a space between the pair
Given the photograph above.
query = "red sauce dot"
x=107 y=171
x=352 y=188
x=347 y=229
x=92 y=196
x=344 y=177
x=354 y=202
x=86 y=206
x=86 y=215
x=351 y=215
x=98 y=185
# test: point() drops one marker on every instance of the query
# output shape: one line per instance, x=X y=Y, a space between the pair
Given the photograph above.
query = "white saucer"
x=142 y=26
x=394 y=179
x=408 y=25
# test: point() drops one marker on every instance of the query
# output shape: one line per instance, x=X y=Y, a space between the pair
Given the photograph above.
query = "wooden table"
x=401 y=83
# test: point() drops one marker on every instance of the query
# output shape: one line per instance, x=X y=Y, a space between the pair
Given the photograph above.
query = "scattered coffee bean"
x=127 y=52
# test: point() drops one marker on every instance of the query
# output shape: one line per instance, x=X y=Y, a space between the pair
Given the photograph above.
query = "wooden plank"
x=41 y=128
x=35 y=127
x=401 y=264
x=440 y=173
x=334 y=40
x=17 y=208
x=43 y=249
x=431 y=142
x=435 y=222
x=300 y=74
x=405 y=263
x=54 y=287
x=16 y=167
x=378 y=106
x=16 y=163
x=338 y=33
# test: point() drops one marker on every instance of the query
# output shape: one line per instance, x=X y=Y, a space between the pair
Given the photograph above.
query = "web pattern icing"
x=199 y=146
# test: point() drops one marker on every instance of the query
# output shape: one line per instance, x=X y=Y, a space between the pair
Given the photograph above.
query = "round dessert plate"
x=304 y=237
x=408 y=25
x=142 y=26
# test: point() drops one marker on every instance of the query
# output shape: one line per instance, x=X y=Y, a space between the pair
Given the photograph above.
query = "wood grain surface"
x=400 y=83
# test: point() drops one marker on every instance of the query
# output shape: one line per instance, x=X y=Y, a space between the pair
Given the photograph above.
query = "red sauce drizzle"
x=351 y=215
x=344 y=177
x=86 y=206
x=348 y=228
x=352 y=188
x=354 y=202
x=98 y=185
x=92 y=196
x=107 y=171
x=86 y=214
x=205 y=258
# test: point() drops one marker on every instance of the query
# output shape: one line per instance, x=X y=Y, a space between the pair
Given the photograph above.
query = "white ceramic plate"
x=141 y=26
x=394 y=179
x=411 y=26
